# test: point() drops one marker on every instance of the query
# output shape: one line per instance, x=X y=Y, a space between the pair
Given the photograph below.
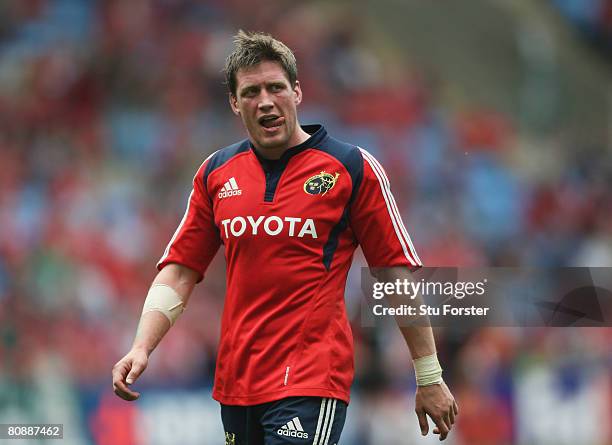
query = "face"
x=267 y=104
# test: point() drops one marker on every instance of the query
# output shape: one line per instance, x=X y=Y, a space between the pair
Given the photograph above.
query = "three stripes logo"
x=325 y=422
x=293 y=428
x=230 y=188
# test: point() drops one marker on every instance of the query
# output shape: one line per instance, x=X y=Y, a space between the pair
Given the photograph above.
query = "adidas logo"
x=293 y=428
x=230 y=189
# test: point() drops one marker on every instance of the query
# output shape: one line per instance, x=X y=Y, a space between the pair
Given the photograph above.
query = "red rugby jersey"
x=289 y=229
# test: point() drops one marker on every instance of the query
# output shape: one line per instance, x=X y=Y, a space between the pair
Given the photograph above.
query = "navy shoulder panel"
x=223 y=156
x=349 y=155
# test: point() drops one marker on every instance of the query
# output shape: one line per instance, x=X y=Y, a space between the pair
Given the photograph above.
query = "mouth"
x=271 y=122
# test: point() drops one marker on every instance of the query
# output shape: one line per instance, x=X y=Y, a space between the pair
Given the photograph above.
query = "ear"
x=233 y=101
x=297 y=90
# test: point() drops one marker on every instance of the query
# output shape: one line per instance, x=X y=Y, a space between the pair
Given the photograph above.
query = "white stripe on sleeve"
x=178 y=229
x=398 y=225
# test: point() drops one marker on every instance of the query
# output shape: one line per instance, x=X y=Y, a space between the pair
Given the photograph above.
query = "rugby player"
x=290 y=205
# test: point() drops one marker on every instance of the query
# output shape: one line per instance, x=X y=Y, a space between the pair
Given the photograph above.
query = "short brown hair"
x=253 y=48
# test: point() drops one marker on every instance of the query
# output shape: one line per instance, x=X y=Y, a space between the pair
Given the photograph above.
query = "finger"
x=119 y=386
x=121 y=389
x=455 y=407
x=125 y=393
x=137 y=368
x=451 y=413
x=443 y=420
x=447 y=420
x=442 y=428
x=422 y=422
x=120 y=370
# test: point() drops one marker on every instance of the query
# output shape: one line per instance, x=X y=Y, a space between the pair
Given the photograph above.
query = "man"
x=290 y=204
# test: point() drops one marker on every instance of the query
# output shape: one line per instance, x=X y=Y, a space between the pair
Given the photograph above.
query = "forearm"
x=153 y=324
x=420 y=340
x=416 y=329
x=151 y=329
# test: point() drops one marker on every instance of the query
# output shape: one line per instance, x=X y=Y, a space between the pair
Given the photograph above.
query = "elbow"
x=177 y=276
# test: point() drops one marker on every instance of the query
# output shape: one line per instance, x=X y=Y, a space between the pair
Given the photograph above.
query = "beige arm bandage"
x=428 y=370
x=164 y=299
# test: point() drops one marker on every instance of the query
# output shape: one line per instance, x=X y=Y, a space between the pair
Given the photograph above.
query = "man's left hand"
x=437 y=402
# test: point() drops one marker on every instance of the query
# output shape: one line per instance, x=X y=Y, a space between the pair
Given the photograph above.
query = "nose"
x=265 y=101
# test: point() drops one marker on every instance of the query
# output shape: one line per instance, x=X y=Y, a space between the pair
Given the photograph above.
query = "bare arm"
x=153 y=325
x=418 y=335
x=434 y=400
x=151 y=329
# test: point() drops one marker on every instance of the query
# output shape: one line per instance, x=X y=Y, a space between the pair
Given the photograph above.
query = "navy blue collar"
x=317 y=133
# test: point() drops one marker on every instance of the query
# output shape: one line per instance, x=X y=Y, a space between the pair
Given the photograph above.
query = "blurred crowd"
x=107 y=108
x=592 y=18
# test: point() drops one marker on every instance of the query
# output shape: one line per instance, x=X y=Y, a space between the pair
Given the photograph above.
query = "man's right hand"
x=152 y=327
x=126 y=371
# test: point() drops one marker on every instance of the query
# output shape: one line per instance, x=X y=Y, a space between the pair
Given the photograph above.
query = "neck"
x=299 y=137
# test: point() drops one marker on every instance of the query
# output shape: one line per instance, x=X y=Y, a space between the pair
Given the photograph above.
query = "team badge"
x=230 y=439
x=320 y=184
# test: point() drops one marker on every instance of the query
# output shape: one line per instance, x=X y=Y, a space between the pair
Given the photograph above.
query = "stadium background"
x=491 y=117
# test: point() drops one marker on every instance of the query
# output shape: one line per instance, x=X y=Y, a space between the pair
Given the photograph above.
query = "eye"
x=249 y=92
x=275 y=87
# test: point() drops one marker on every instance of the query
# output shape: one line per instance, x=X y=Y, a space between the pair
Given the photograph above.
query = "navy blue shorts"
x=294 y=420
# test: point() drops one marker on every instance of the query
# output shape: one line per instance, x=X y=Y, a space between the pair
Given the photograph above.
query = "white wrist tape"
x=428 y=370
x=164 y=299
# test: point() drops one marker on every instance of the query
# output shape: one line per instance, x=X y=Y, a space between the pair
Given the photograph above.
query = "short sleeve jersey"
x=289 y=229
